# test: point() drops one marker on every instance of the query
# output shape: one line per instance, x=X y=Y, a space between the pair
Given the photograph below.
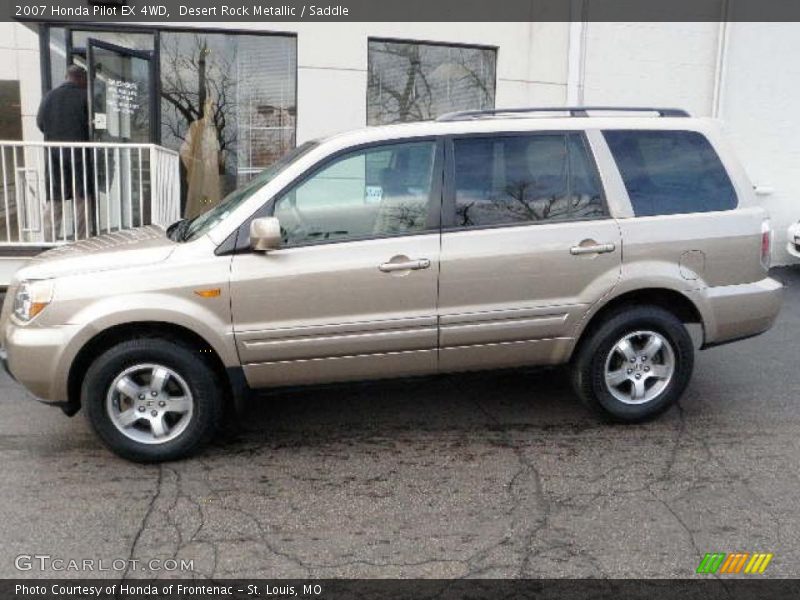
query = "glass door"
x=121 y=112
x=121 y=93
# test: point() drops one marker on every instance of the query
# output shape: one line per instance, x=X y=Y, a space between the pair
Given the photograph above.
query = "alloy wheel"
x=639 y=367
x=150 y=403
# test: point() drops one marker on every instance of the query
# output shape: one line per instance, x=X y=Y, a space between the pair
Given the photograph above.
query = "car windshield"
x=190 y=229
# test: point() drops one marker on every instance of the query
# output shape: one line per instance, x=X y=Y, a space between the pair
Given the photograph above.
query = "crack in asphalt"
x=527 y=469
x=143 y=523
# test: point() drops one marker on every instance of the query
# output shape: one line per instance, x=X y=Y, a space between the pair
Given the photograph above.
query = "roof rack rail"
x=574 y=111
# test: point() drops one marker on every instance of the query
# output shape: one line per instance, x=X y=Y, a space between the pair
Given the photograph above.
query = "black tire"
x=589 y=363
x=208 y=397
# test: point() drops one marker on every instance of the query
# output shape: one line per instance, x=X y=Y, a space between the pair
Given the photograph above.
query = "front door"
x=352 y=293
x=527 y=247
x=121 y=93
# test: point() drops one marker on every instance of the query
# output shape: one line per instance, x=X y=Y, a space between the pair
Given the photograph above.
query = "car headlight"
x=32 y=297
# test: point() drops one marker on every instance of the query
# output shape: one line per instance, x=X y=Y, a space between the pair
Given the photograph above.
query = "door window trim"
x=433 y=219
x=449 y=191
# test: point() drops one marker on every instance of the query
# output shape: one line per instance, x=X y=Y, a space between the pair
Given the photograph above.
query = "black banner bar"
x=265 y=11
x=473 y=589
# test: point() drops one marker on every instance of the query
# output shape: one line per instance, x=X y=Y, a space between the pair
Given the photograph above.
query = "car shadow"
x=509 y=400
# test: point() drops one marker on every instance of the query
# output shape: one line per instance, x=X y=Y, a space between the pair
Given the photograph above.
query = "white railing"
x=57 y=192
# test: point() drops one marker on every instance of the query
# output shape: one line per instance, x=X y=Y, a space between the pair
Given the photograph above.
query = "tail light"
x=766 y=244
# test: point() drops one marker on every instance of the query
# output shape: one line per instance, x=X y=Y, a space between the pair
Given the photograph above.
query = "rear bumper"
x=734 y=312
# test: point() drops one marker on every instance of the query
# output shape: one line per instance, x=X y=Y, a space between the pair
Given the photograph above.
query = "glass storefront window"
x=411 y=81
x=133 y=41
x=227 y=101
x=228 y=105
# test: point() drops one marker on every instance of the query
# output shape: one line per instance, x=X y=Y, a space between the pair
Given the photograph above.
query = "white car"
x=793 y=236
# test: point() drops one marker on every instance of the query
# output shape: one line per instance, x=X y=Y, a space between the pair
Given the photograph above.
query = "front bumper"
x=68 y=408
x=34 y=355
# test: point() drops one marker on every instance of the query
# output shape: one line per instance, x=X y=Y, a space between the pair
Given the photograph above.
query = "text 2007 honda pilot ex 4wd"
x=481 y=240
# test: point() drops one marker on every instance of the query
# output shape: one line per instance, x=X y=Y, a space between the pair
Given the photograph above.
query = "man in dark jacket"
x=64 y=117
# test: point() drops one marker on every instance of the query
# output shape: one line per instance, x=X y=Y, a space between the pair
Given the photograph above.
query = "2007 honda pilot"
x=481 y=240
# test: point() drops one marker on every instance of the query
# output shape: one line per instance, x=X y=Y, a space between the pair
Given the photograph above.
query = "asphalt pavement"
x=482 y=475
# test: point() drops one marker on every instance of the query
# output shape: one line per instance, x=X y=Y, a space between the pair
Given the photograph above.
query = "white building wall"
x=759 y=104
x=19 y=61
x=651 y=64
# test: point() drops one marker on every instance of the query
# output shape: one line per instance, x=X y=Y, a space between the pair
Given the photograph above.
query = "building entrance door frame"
x=115 y=99
x=75 y=51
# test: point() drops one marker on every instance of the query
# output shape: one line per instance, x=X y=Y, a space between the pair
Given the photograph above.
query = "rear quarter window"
x=670 y=172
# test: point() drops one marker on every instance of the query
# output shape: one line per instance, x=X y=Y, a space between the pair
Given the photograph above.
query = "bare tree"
x=411 y=82
x=402 y=99
x=188 y=78
x=476 y=75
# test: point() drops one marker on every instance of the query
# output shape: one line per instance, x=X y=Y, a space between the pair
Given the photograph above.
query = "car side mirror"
x=265 y=234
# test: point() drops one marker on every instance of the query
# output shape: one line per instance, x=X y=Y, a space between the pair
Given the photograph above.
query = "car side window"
x=670 y=172
x=373 y=192
x=519 y=179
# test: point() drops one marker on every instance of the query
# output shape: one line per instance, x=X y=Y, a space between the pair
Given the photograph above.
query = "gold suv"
x=482 y=240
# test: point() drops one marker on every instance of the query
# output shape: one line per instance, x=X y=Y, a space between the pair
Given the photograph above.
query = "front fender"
x=208 y=318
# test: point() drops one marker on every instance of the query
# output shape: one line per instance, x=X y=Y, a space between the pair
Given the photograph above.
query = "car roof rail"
x=574 y=111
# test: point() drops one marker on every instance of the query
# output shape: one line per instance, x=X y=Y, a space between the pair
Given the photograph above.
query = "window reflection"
x=519 y=179
x=414 y=82
x=228 y=104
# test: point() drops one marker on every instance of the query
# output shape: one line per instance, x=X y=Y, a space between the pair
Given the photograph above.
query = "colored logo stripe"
x=734 y=563
x=758 y=563
x=711 y=562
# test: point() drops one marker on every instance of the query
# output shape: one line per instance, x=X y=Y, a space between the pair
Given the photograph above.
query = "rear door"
x=527 y=247
x=352 y=293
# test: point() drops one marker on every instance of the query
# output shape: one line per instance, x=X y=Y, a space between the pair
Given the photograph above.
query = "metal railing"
x=57 y=192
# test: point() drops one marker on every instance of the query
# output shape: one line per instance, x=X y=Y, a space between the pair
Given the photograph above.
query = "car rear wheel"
x=635 y=365
x=152 y=400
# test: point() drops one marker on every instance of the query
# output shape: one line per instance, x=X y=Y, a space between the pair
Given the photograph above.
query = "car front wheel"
x=152 y=399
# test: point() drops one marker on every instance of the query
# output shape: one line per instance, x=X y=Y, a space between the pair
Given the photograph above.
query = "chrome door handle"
x=408 y=265
x=593 y=249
